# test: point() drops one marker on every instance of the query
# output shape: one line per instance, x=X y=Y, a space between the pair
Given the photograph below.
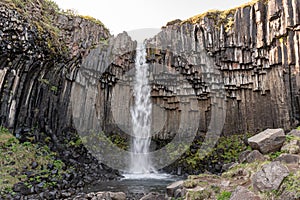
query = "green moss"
x=225 y=17
x=292 y=184
x=14 y=156
x=199 y=195
x=275 y=155
x=190 y=184
x=226 y=150
x=54 y=88
x=224 y=195
x=119 y=141
x=92 y=19
x=41 y=14
x=250 y=168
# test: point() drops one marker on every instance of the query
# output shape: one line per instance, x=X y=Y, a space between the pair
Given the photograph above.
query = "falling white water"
x=141 y=116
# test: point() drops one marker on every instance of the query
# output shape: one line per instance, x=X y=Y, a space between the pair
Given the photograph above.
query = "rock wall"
x=241 y=66
x=38 y=69
x=256 y=49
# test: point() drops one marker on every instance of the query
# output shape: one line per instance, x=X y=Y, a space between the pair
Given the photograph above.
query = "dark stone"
x=21 y=188
x=289 y=159
x=34 y=165
x=254 y=156
x=152 y=196
x=243 y=156
x=50 y=166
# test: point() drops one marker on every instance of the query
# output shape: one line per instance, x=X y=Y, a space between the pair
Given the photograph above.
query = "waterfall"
x=141 y=116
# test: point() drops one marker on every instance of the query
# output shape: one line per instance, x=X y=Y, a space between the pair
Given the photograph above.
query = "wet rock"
x=270 y=140
x=269 y=177
x=152 y=196
x=243 y=193
x=171 y=189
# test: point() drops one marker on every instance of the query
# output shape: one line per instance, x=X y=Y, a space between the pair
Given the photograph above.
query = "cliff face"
x=256 y=49
x=242 y=63
x=39 y=64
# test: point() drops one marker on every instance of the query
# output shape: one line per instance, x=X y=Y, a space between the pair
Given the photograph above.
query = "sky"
x=129 y=15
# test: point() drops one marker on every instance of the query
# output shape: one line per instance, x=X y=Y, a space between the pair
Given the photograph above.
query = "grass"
x=16 y=156
x=225 y=17
x=224 y=195
x=226 y=150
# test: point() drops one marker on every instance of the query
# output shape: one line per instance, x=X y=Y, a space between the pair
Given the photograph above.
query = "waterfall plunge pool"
x=136 y=184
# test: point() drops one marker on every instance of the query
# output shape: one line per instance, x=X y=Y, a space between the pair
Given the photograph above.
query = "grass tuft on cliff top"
x=218 y=14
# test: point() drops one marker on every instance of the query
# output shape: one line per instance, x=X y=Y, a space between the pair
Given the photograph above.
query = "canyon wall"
x=39 y=65
x=256 y=49
x=237 y=69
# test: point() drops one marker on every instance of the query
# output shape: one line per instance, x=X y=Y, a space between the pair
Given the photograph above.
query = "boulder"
x=243 y=193
x=243 y=156
x=171 y=189
x=269 y=177
x=270 y=140
x=254 y=156
x=288 y=158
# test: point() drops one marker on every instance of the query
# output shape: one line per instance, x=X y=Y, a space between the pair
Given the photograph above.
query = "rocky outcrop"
x=251 y=178
x=235 y=71
x=41 y=51
x=255 y=48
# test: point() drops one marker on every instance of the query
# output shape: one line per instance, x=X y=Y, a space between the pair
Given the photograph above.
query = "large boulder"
x=270 y=140
x=243 y=193
x=269 y=177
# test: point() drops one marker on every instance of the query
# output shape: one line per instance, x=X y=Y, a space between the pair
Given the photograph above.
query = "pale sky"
x=128 y=15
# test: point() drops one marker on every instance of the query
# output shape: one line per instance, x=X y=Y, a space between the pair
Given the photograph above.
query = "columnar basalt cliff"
x=41 y=52
x=256 y=49
x=251 y=53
